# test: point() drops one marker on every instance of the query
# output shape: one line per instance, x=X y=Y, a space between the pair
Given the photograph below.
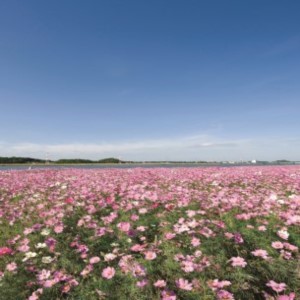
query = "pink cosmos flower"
x=137 y=248
x=262 y=228
x=291 y=296
x=160 y=283
x=238 y=239
x=238 y=262
x=11 y=267
x=143 y=211
x=290 y=247
x=277 y=245
x=49 y=283
x=150 y=255
x=170 y=235
x=183 y=284
x=108 y=273
x=224 y=295
x=141 y=228
x=134 y=217
x=260 y=253
x=23 y=248
x=35 y=295
x=277 y=287
x=58 y=229
x=88 y=269
x=27 y=231
x=286 y=254
x=229 y=235
x=216 y=284
x=195 y=242
x=168 y=295
x=94 y=260
x=190 y=213
x=142 y=283
x=43 y=275
x=187 y=266
x=124 y=226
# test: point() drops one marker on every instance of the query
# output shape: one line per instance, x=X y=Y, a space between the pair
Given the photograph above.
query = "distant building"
x=253 y=161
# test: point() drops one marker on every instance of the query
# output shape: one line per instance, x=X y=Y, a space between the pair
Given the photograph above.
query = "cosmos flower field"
x=164 y=233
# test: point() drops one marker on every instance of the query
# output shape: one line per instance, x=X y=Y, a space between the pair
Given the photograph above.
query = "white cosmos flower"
x=45 y=232
x=40 y=245
x=47 y=259
x=29 y=255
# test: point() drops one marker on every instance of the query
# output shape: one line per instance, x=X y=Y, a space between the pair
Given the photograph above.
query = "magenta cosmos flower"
x=5 y=251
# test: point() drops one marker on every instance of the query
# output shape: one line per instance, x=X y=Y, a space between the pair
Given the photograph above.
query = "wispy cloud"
x=166 y=148
x=198 y=147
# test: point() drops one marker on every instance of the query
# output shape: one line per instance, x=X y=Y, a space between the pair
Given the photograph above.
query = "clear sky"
x=143 y=80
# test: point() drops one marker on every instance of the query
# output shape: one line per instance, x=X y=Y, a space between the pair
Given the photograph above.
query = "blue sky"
x=143 y=80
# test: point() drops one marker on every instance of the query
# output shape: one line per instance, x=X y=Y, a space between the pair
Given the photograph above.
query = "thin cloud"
x=197 y=147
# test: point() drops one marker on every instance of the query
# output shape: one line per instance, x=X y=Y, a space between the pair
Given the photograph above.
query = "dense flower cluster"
x=182 y=233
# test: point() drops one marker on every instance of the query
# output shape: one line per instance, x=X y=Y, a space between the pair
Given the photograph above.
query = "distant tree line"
x=20 y=160
x=29 y=160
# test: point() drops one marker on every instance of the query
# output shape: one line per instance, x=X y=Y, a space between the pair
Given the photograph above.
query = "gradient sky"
x=150 y=80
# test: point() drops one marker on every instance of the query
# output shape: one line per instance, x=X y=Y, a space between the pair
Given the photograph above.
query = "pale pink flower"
x=195 y=242
x=137 y=248
x=88 y=269
x=150 y=255
x=160 y=283
x=286 y=254
x=190 y=213
x=224 y=295
x=184 y=284
x=35 y=295
x=277 y=245
x=49 y=283
x=187 y=266
x=43 y=275
x=23 y=248
x=108 y=273
x=170 y=235
x=168 y=295
x=143 y=211
x=216 y=284
x=109 y=256
x=229 y=235
x=27 y=231
x=142 y=283
x=260 y=253
x=134 y=217
x=11 y=267
x=141 y=228
x=124 y=226
x=262 y=228
x=238 y=262
x=283 y=234
x=94 y=260
x=290 y=247
x=277 y=287
x=58 y=229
